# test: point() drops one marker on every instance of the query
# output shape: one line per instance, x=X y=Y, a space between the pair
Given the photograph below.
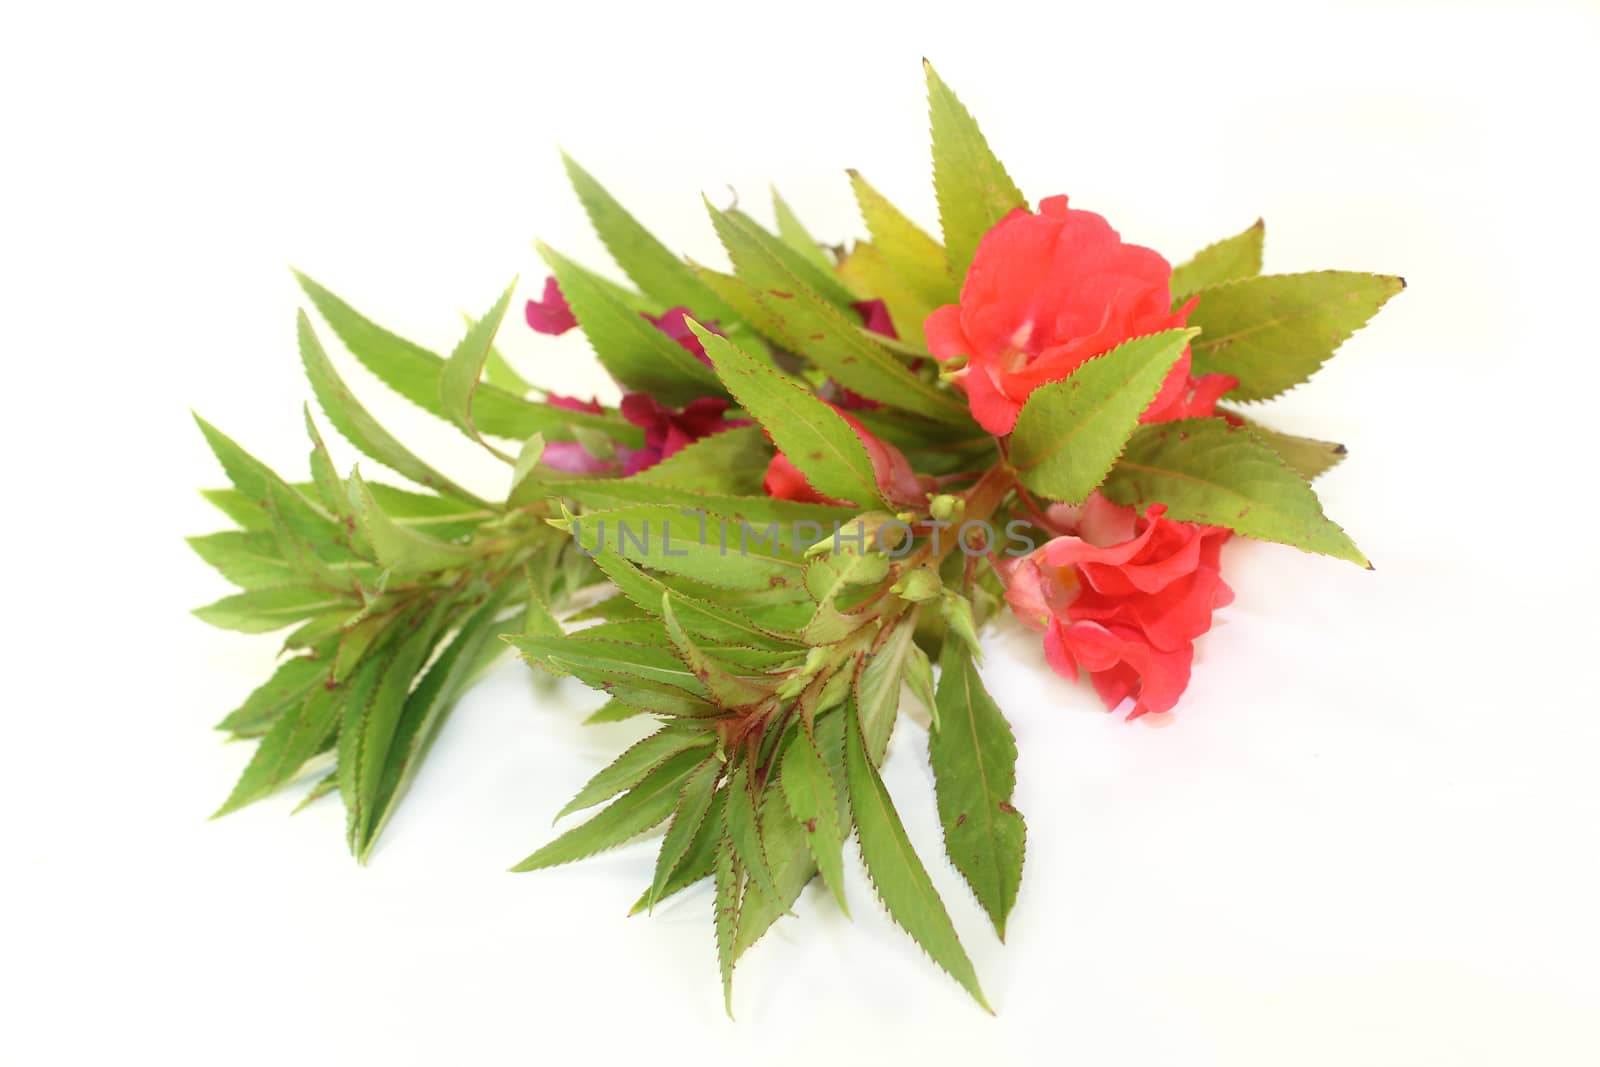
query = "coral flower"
x=1124 y=598
x=1048 y=291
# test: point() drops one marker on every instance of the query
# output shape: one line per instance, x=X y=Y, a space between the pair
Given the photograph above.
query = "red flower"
x=1123 y=599
x=571 y=456
x=890 y=468
x=1046 y=292
x=666 y=432
x=551 y=315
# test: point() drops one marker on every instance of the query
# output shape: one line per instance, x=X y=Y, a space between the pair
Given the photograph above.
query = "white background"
x=1367 y=836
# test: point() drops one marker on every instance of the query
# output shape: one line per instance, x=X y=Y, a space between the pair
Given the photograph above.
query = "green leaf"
x=711 y=622
x=632 y=350
x=427 y=707
x=1275 y=331
x=652 y=266
x=877 y=688
x=261 y=611
x=1306 y=456
x=729 y=882
x=403 y=549
x=783 y=257
x=808 y=789
x=663 y=538
x=291 y=741
x=247 y=558
x=287 y=688
x=831 y=337
x=324 y=476
x=866 y=269
x=462 y=372
x=974 y=758
x=256 y=482
x=898 y=875
x=727 y=689
x=731 y=462
x=693 y=805
x=699 y=861
x=1208 y=472
x=745 y=832
x=1227 y=260
x=360 y=428
x=413 y=372
x=913 y=256
x=644 y=806
x=813 y=435
x=793 y=233
x=1070 y=432
x=973 y=189
x=628 y=769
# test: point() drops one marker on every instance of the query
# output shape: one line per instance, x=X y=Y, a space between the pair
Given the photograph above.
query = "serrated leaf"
x=898 y=875
x=247 y=558
x=828 y=335
x=632 y=350
x=666 y=540
x=1307 y=456
x=745 y=831
x=293 y=739
x=919 y=678
x=402 y=549
x=1207 y=471
x=793 y=233
x=974 y=760
x=463 y=371
x=636 y=761
x=697 y=863
x=1070 y=432
x=324 y=476
x=866 y=270
x=255 y=482
x=694 y=802
x=812 y=434
x=413 y=372
x=426 y=708
x=653 y=267
x=287 y=688
x=973 y=189
x=877 y=688
x=731 y=462
x=817 y=278
x=1226 y=260
x=913 y=256
x=709 y=621
x=644 y=806
x=260 y=611
x=808 y=789
x=729 y=880
x=357 y=426
x=1274 y=331
x=613 y=710
x=727 y=689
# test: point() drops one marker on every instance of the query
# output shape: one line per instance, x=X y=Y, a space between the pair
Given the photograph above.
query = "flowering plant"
x=828 y=470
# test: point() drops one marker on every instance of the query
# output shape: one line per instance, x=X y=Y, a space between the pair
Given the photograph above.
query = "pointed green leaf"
x=292 y=740
x=403 y=549
x=913 y=256
x=360 y=428
x=878 y=686
x=825 y=332
x=462 y=372
x=698 y=862
x=644 y=806
x=813 y=435
x=628 y=769
x=973 y=189
x=745 y=830
x=974 y=759
x=732 y=462
x=413 y=372
x=727 y=689
x=1070 y=432
x=729 y=882
x=261 y=611
x=1274 y=331
x=1307 y=456
x=287 y=688
x=693 y=805
x=898 y=875
x=652 y=266
x=808 y=789
x=865 y=269
x=710 y=547
x=1207 y=471
x=712 y=622
x=255 y=482
x=632 y=350
x=324 y=476
x=793 y=233
x=1227 y=260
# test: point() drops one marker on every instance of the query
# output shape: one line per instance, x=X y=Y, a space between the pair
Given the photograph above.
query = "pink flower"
x=571 y=456
x=1123 y=598
x=667 y=432
x=1047 y=292
x=551 y=315
x=674 y=323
